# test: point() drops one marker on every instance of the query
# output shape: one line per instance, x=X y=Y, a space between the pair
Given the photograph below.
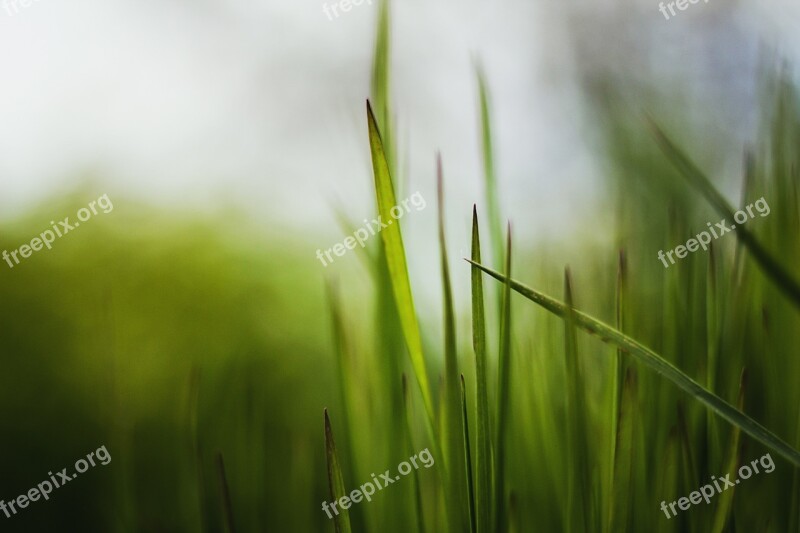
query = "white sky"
x=261 y=104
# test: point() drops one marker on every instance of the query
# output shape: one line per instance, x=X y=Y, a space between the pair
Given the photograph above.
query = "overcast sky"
x=261 y=104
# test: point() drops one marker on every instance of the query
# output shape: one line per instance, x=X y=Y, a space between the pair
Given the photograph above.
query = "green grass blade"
x=616 y=389
x=488 y=169
x=696 y=178
x=623 y=457
x=341 y=519
x=483 y=455
x=468 y=449
x=396 y=261
x=660 y=365
x=454 y=428
x=504 y=395
x=579 y=509
x=381 y=93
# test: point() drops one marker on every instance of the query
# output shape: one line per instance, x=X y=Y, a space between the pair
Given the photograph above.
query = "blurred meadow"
x=193 y=333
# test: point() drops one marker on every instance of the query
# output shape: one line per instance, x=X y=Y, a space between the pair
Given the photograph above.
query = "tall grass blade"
x=381 y=93
x=341 y=520
x=658 y=364
x=579 y=508
x=504 y=395
x=488 y=168
x=624 y=456
x=396 y=261
x=689 y=170
x=616 y=388
x=454 y=427
x=483 y=440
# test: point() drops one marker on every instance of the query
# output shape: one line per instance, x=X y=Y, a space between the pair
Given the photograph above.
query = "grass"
x=200 y=357
x=592 y=432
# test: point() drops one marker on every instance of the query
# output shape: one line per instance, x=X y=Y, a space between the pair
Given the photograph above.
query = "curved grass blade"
x=483 y=440
x=504 y=395
x=689 y=170
x=341 y=520
x=657 y=363
x=396 y=261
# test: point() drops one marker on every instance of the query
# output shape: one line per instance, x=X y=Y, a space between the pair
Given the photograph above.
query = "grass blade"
x=380 y=83
x=396 y=261
x=504 y=395
x=488 y=169
x=623 y=458
x=616 y=391
x=483 y=455
x=454 y=426
x=657 y=363
x=689 y=170
x=341 y=520
x=579 y=509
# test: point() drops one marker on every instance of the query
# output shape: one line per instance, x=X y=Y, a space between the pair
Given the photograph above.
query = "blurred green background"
x=183 y=337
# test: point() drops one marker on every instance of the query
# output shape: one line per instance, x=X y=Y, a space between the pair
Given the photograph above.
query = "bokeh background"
x=192 y=319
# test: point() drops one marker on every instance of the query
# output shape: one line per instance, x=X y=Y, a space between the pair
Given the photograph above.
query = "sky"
x=260 y=105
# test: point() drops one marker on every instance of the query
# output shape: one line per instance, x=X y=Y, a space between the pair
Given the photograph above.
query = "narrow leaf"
x=483 y=456
x=624 y=456
x=504 y=395
x=488 y=169
x=396 y=261
x=579 y=509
